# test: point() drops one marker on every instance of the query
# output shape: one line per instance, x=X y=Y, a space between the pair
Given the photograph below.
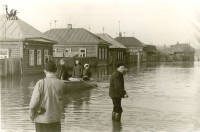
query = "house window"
x=31 y=57
x=55 y=50
x=103 y=55
x=4 y=53
x=99 y=53
x=39 y=57
x=46 y=58
x=106 y=53
x=82 y=52
x=68 y=50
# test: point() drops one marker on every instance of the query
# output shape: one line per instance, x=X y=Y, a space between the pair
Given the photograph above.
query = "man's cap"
x=119 y=64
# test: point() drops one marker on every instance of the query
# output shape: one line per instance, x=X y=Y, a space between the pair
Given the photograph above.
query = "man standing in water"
x=46 y=101
x=116 y=91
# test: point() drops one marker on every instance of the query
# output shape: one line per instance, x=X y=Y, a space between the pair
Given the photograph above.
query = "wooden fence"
x=10 y=67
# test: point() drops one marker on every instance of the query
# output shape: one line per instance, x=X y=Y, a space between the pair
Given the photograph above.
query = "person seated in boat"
x=62 y=70
x=77 y=70
x=87 y=73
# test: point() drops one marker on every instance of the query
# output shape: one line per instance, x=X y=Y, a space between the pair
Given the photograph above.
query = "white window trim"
x=106 y=53
x=100 y=56
x=31 y=58
x=3 y=56
x=55 y=50
x=103 y=53
x=80 y=55
x=45 y=55
x=68 y=49
x=39 y=62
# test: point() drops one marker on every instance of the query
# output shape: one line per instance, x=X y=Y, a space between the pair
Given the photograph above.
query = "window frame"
x=4 y=56
x=31 y=57
x=46 y=55
x=39 y=61
x=80 y=53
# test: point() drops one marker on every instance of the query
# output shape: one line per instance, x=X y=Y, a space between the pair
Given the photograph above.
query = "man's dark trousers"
x=117 y=104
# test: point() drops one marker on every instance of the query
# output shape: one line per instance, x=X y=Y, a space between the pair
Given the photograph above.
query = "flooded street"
x=162 y=97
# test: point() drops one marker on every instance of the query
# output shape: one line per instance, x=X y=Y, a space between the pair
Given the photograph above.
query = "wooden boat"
x=79 y=85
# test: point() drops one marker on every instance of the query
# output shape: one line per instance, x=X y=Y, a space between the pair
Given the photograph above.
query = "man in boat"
x=87 y=73
x=62 y=71
x=46 y=101
x=77 y=70
x=117 y=91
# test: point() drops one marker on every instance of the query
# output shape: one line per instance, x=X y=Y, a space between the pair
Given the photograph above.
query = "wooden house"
x=20 y=40
x=117 y=50
x=182 y=52
x=78 y=41
x=134 y=46
x=151 y=53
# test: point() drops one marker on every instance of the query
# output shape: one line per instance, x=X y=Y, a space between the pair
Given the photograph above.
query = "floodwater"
x=162 y=97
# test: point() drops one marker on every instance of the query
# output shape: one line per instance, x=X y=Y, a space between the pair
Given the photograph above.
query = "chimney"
x=69 y=26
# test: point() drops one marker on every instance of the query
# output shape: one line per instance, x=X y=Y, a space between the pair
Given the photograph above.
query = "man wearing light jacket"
x=46 y=102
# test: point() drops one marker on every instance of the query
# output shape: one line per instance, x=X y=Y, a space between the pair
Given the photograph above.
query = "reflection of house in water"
x=182 y=52
x=80 y=41
x=117 y=51
x=135 y=47
x=20 y=40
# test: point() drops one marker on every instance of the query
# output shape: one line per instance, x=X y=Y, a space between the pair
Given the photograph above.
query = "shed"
x=117 y=50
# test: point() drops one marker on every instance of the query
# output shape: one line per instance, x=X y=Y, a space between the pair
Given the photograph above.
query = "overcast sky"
x=157 y=22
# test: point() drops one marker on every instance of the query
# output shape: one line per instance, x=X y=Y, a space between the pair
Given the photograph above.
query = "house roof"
x=74 y=36
x=184 y=47
x=130 y=41
x=150 y=48
x=20 y=30
x=109 y=39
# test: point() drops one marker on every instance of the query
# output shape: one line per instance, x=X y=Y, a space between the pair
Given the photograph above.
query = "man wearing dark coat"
x=117 y=91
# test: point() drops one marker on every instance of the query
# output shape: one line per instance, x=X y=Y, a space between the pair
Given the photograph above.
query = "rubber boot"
x=113 y=115
x=118 y=117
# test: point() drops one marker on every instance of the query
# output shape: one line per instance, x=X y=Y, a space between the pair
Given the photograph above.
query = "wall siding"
x=91 y=50
x=36 y=68
x=13 y=48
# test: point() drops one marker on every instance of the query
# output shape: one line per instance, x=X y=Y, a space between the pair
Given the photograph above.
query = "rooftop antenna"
x=103 y=29
x=51 y=23
x=119 y=26
x=55 y=22
x=89 y=28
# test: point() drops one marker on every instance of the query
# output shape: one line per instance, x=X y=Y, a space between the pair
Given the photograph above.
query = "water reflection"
x=117 y=126
x=162 y=97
